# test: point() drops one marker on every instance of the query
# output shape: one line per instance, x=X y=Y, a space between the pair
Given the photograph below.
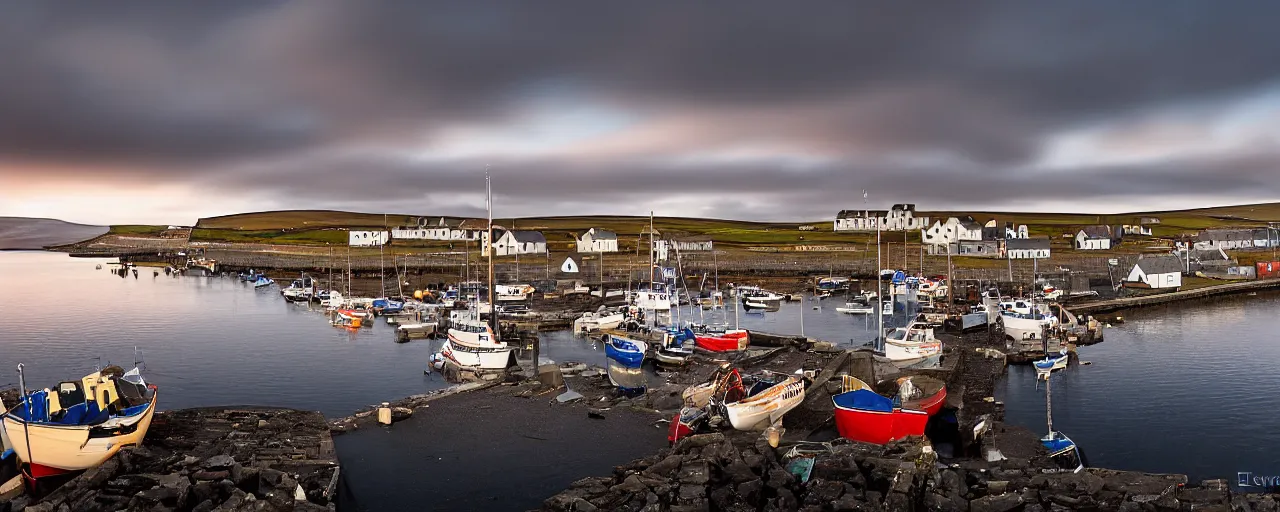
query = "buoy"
x=417 y=294
x=355 y=322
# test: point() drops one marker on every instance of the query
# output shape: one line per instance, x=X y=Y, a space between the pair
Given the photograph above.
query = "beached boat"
x=592 y=321
x=864 y=415
x=625 y=358
x=975 y=319
x=1050 y=363
x=766 y=407
x=730 y=341
x=686 y=422
x=80 y=424
x=913 y=346
x=725 y=385
x=262 y=281
x=672 y=356
x=471 y=345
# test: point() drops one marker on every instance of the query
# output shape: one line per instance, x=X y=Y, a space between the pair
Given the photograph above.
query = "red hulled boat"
x=731 y=341
x=864 y=415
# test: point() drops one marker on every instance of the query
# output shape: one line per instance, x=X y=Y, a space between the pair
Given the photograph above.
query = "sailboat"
x=1062 y=450
x=81 y=423
x=472 y=344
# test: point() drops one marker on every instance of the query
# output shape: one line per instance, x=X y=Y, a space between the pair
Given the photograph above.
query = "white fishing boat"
x=592 y=321
x=513 y=293
x=472 y=344
x=655 y=300
x=753 y=304
x=80 y=424
x=757 y=294
x=913 y=346
x=1026 y=326
x=975 y=319
x=856 y=308
x=765 y=408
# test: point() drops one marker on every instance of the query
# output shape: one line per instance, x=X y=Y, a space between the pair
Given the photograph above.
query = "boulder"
x=996 y=503
x=217 y=462
x=698 y=473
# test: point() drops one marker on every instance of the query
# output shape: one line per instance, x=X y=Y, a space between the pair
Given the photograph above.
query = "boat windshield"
x=468 y=327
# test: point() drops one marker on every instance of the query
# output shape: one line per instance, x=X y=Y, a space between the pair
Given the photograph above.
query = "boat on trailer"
x=80 y=424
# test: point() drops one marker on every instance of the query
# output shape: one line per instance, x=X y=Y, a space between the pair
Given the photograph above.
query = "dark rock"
x=849 y=503
x=665 y=466
x=160 y=495
x=897 y=501
x=631 y=484
x=268 y=477
x=130 y=484
x=722 y=497
x=218 y=462
x=938 y=503
x=1001 y=503
x=697 y=506
x=204 y=506
x=951 y=482
x=691 y=492
x=1000 y=486
x=779 y=478
x=823 y=491
x=738 y=472
x=666 y=402
x=595 y=414
x=786 y=500
x=247 y=479
x=696 y=441
x=212 y=475
x=695 y=473
x=750 y=490
x=205 y=491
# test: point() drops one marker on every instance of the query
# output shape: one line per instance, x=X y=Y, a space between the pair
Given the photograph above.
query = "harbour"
x=203 y=307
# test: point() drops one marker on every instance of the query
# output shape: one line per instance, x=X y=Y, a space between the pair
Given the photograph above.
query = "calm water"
x=206 y=341
x=1187 y=389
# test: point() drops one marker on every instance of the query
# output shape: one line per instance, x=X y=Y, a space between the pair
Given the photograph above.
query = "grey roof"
x=603 y=234
x=526 y=237
x=1224 y=235
x=1026 y=243
x=1208 y=255
x=857 y=214
x=908 y=207
x=1096 y=232
x=969 y=224
x=1167 y=264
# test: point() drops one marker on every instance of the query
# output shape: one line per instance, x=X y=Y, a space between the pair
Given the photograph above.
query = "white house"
x=663 y=249
x=367 y=238
x=1092 y=238
x=1019 y=231
x=1156 y=272
x=902 y=217
x=598 y=240
x=1026 y=248
x=951 y=231
x=1266 y=237
x=1225 y=239
x=510 y=243
x=1136 y=229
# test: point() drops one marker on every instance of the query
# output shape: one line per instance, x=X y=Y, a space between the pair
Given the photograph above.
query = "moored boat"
x=730 y=341
x=1050 y=363
x=80 y=424
x=471 y=345
x=766 y=407
x=592 y=321
x=262 y=281
x=856 y=308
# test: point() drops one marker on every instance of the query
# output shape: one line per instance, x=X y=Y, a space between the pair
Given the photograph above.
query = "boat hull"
x=862 y=415
x=766 y=408
x=71 y=447
x=729 y=342
x=484 y=359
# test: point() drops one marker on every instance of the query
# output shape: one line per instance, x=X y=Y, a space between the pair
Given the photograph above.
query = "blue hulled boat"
x=625 y=358
x=262 y=281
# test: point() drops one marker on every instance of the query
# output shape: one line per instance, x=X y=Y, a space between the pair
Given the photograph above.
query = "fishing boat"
x=512 y=293
x=344 y=320
x=82 y=423
x=1050 y=363
x=863 y=415
x=913 y=346
x=975 y=319
x=757 y=294
x=730 y=341
x=592 y=321
x=262 y=281
x=766 y=407
x=856 y=308
x=1026 y=326
x=298 y=290
x=471 y=345
x=832 y=283
x=625 y=357
x=750 y=304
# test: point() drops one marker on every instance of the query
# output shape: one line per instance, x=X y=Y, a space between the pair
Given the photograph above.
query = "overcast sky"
x=162 y=112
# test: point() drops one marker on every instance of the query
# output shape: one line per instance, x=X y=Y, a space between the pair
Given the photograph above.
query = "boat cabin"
x=89 y=401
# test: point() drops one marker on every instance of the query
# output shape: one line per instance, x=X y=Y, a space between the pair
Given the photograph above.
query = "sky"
x=164 y=112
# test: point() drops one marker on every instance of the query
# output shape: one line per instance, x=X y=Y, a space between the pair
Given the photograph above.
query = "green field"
x=320 y=227
x=135 y=230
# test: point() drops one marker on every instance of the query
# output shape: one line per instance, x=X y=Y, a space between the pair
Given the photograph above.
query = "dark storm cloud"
x=247 y=95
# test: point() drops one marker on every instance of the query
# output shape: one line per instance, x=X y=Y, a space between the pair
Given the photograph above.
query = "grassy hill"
x=29 y=233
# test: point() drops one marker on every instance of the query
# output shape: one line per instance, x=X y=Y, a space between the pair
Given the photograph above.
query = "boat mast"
x=1048 y=403
x=382 y=270
x=493 y=309
x=879 y=291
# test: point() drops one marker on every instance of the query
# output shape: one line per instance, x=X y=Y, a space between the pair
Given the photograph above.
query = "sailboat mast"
x=879 y=291
x=651 y=250
x=493 y=309
x=382 y=270
x=1048 y=403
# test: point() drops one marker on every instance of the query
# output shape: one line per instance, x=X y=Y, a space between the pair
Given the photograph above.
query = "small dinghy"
x=730 y=341
x=864 y=415
x=1047 y=365
x=856 y=308
x=766 y=407
x=262 y=281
